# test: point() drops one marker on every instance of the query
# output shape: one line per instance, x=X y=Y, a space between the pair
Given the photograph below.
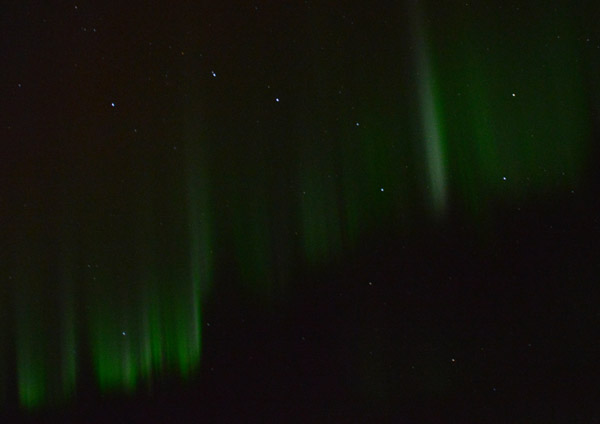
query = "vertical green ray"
x=199 y=221
x=145 y=344
x=515 y=114
x=37 y=320
x=151 y=340
x=430 y=107
x=200 y=254
x=148 y=323
x=113 y=338
x=32 y=376
x=68 y=342
x=148 y=337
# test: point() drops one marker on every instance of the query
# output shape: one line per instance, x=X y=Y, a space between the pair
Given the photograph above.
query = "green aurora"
x=489 y=113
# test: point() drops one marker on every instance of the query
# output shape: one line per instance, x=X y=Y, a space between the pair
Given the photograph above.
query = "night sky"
x=300 y=211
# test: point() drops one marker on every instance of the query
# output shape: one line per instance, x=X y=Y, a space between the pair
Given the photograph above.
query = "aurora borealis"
x=185 y=182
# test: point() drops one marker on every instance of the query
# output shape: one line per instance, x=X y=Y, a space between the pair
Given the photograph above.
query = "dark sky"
x=321 y=211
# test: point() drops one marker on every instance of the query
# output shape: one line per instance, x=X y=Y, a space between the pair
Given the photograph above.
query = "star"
x=381 y=189
x=112 y=104
x=504 y=178
x=213 y=73
x=277 y=99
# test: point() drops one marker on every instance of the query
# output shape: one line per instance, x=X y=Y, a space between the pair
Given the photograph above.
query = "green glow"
x=156 y=338
x=200 y=259
x=145 y=344
x=435 y=154
x=152 y=328
x=111 y=351
x=31 y=372
x=31 y=342
x=515 y=114
x=479 y=115
x=68 y=339
x=68 y=346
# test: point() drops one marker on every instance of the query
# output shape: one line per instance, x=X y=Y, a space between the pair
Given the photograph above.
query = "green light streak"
x=114 y=361
x=200 y=260
x=515 y=113
x=503 y=118
x=68 y=341
x=31 y=343
x=31 y=372
x=68 y=344
x=430 y=108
